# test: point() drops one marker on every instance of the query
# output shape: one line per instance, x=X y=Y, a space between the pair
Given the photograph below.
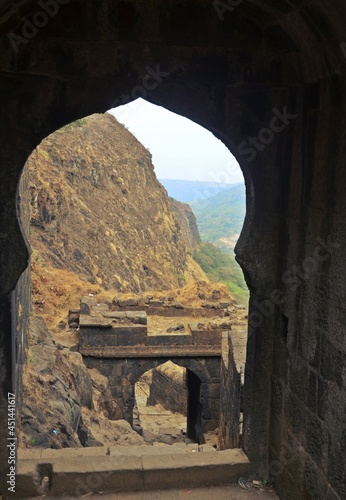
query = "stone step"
x=47 y=454
x=71 y=472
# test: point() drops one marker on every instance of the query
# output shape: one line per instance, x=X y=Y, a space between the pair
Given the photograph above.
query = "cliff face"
x=188 y=224
x=97 y=208
x=65 y=404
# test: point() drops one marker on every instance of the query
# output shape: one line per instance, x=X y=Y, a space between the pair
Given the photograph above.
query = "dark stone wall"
x=21 y=296
x=230 y=394
x=15 y=316
x=232 y=72
x=308 y=384
x=168 y=388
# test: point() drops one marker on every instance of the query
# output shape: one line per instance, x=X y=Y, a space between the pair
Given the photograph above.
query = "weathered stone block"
x=212 y=366
x=137 y=317
x=100 y=308
x=164 y=340
x=205 y=337
x=86 y=304
x=135 y=335
x=114 y=314
x=156 y=303
x=211 y=408
x=128 y=303
x=94 y=321
x=142 y=304
x=168 y=388
x=211 y=391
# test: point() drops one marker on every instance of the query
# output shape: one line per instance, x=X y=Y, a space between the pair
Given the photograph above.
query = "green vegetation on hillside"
x=221 y=215
x=220 y=219
x=73 y=125
x=219 y=266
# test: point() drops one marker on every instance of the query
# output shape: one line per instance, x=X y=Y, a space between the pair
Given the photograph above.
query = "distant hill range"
x=220 y=217
x=187 y=191
x=220 y=212
x=219 y=208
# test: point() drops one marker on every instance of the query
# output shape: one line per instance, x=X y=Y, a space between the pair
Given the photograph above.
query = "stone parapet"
x=120 y=473
x=105 y=333
x=173 y=311
x=150 y=351
x=117 y=343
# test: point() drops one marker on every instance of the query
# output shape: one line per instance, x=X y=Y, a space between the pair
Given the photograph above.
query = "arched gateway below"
x=124 y=353
x=168 y=397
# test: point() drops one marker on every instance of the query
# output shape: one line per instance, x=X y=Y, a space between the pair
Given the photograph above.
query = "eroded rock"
x=64 y=402
x=102 y=397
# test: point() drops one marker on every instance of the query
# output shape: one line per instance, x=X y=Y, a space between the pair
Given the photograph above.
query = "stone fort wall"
x=168 y=387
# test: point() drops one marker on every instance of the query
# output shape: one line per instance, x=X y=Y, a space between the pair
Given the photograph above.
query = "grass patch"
x=74 y=125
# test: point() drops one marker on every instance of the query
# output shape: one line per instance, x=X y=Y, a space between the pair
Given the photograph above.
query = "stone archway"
x=198 y=382
x=244 y=65
x=178 y=391
x=123 y=373
x=194 y=365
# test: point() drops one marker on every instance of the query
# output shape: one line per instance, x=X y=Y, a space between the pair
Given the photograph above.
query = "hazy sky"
x=181 y=149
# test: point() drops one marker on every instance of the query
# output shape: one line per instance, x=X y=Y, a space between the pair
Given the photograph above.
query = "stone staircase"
x=82 y=471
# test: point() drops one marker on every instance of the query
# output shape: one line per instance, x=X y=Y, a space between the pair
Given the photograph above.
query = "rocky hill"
x=97 y=209
x=188 y=224
x=65 y=404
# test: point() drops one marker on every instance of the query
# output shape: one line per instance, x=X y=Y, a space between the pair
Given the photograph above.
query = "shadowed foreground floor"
x=230 y=492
